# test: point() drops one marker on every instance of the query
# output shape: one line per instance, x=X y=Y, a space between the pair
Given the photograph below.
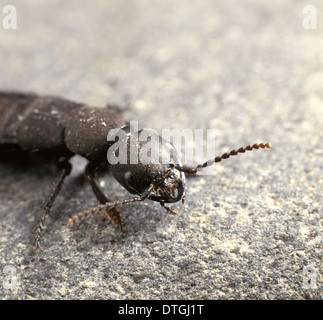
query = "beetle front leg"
x=113 y=214
x=65 y=167
x=168 y=209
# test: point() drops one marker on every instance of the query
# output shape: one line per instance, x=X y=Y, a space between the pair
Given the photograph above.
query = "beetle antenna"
x=98 y=208
x=82 y=215
x=226 y=155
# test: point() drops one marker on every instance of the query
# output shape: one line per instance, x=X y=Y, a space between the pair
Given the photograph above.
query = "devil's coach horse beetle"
x=53 y=128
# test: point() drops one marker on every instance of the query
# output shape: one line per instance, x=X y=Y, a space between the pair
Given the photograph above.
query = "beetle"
x=52 y=128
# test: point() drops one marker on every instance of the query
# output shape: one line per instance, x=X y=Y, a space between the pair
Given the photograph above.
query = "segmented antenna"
x=84 y=214
x=226 y=155
x=114 y=216
x=107 y=206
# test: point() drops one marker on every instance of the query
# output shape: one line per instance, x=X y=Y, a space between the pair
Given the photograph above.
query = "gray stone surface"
x=247 y=69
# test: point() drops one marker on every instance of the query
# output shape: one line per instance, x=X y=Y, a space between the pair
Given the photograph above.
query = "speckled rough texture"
x=247 y=69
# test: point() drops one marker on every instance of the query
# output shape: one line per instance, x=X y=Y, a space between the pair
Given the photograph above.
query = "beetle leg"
x=113 y=214
x=167 y=208
x=65 y=167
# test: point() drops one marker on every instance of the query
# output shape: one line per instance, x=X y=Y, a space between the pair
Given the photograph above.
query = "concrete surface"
x=247 y=69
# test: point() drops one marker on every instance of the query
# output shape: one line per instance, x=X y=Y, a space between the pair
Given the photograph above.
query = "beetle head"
x=167 y=182
x=168 y=185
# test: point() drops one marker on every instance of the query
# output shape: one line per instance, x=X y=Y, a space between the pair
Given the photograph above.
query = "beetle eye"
x=129 y=179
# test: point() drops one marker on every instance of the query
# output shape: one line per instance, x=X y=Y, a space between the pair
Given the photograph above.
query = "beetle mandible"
x=47 y=127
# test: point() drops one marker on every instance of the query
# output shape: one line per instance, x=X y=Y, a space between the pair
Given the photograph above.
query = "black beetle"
x=56 y=129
